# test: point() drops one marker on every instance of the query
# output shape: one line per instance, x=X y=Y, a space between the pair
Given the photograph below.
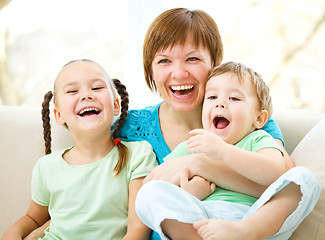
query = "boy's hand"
x=197 y=186
x=206 y=142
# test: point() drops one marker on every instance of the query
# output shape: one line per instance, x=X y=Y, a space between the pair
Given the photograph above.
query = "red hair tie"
x=116 y=141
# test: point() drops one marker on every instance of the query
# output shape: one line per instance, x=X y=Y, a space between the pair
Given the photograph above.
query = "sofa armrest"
x=295 y=124
x=21 y=144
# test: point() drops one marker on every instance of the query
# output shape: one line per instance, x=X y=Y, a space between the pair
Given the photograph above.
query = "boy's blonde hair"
x=243 y=73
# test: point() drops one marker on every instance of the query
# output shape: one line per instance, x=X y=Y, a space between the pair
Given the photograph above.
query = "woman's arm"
x=288 y=161
x=263 y=167
x=38 y=233
x=135 y=229
x=206 y=167
x=35 y=217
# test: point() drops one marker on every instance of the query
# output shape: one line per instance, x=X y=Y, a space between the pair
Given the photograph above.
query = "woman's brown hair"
x=121 y=89
x=174 y=26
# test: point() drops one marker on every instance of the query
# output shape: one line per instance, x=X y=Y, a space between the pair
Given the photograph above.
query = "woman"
x=180 y=48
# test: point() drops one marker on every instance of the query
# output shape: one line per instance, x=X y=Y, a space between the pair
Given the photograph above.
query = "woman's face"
x=180 y=74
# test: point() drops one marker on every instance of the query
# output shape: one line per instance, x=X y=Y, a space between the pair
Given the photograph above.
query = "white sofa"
x=21 y=144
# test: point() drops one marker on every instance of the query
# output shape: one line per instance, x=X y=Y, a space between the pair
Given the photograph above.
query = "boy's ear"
x=261 y=119
x=116 y=107
x=58 y=117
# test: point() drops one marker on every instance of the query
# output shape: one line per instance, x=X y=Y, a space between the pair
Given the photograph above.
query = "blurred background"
x=282 y=40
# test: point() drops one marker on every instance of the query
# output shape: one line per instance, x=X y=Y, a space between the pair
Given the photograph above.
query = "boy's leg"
x=157 y=201
x=170 y=211
x=264 y=223
x=276 y=214
x=176 y=230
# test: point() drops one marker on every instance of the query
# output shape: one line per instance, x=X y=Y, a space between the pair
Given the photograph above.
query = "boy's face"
x=230 y=108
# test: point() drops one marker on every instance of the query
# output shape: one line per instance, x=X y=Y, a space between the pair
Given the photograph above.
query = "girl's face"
x=84 y=98
x=231 y=108
x=180 y=74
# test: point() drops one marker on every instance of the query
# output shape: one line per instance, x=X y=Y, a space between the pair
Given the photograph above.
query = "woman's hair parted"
x=176 y=26
x=122 y=149
x=243 y=72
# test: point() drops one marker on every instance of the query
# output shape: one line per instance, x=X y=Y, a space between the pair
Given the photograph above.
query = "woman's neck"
x=175 y=125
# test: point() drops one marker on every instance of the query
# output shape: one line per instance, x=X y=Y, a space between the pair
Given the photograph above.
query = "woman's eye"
x=193 y=59
x=163 y=61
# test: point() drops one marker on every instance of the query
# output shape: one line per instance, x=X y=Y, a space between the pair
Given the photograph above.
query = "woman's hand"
x=170 y=171
x=38 y=233
x=197 y=186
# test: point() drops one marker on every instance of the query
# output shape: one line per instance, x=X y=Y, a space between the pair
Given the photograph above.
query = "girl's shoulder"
x=138 y=146
x=52 y=158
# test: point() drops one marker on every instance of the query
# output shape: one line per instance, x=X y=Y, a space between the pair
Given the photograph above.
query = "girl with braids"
x=87 y=190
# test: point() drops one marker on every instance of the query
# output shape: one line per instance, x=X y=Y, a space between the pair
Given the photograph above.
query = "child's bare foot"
x=214 y=229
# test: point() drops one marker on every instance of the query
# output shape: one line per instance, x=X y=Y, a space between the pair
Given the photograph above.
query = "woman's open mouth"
x=220 y=122
x=182 y=90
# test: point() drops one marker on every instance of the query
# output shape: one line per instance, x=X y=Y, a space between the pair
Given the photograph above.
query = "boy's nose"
x=220 y=105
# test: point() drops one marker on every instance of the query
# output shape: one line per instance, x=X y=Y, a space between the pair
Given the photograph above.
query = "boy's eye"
x=234 y=99
x=212 y=97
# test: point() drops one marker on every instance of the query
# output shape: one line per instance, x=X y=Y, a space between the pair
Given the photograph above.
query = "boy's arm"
x=262 y=167
x=197 y=186
x=135 y=229
x=35 y=217
x=208 y=168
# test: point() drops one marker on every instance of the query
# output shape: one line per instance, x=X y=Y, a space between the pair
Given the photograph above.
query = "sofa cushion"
x=310 y=153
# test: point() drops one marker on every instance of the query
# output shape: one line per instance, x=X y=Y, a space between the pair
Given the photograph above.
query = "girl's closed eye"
x=97 y=88
x=72 y=91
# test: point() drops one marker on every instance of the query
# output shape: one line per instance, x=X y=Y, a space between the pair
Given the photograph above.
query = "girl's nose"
x=87 y=96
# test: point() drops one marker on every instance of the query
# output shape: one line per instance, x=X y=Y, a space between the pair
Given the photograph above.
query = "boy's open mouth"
x=89 y=111
x=220 y=122
x=183 y=90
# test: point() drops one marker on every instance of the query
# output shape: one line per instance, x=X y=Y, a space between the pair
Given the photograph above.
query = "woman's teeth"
x=182 y=87
x=183 y=90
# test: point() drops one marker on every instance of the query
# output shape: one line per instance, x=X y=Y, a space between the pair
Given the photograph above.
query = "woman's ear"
x=58 y=116
x=261 y=119
x=116 y=107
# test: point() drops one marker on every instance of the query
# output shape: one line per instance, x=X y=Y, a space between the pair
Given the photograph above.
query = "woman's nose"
x=179 y=71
